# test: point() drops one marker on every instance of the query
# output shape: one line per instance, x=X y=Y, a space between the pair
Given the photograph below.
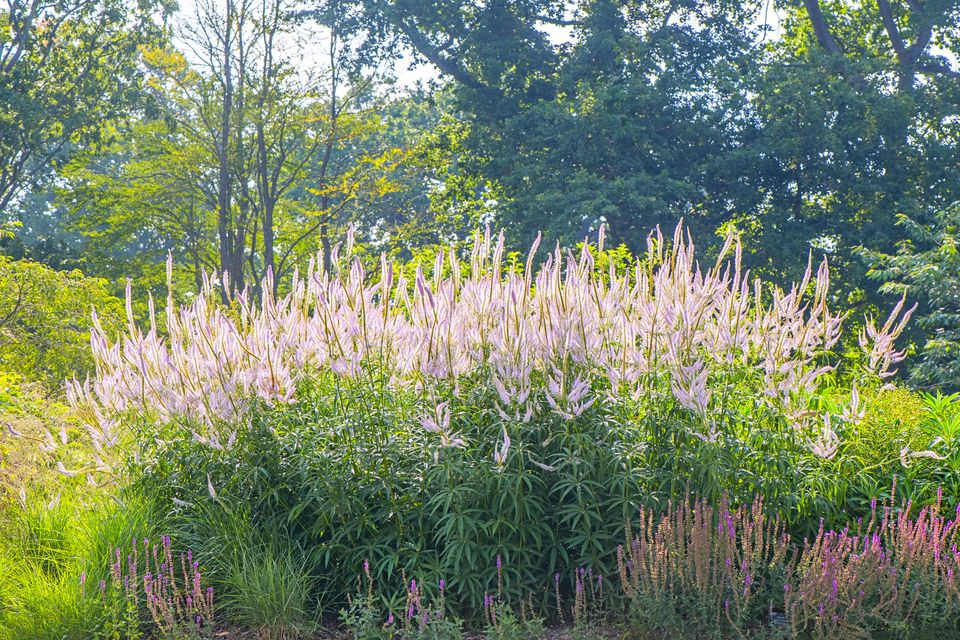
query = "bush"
x=44 y=320
x=481 y=412
x=893 y=420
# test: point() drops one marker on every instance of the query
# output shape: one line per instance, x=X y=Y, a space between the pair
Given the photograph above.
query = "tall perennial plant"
x=565 y=337
x=484 y=408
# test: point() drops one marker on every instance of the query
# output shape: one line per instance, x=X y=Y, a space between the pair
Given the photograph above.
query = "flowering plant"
x=152 y=580
x=561 y=337
x=405 y=419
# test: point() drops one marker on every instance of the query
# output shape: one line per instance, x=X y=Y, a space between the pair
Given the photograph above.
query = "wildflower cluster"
x=420 y=619
x=166 y=585
x=722 y=571
x=892 y=569
x=502 y=621
x=702 y=567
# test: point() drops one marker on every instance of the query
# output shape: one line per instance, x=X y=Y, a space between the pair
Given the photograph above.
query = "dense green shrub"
x=45 y=320
x=927 y=266
x=893 y=421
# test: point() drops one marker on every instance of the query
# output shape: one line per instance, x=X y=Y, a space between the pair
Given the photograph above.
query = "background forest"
x=246 y=136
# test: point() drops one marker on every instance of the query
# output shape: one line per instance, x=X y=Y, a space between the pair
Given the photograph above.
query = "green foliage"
x=927 y=268
x=417 y=618
x=37 y=606
x=508 y=626
x=893 y=421
x=433 y=478
x=45 y=320
x=54 y=553
x=263 y=580
x=350 y=476
x=16 y=397
x=434 y=629
x=34 y=421
x=269 y=590
x=362 y=617
x=66 y=68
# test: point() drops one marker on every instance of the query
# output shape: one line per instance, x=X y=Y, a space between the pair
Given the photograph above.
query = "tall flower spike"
x=563 y=336
x=500 y=453
x=439 y=422
x=827 y=442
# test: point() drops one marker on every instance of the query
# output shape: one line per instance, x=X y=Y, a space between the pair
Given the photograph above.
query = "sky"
x=408 y=72
x=310 y=46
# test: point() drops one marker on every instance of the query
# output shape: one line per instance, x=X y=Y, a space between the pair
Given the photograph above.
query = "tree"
x=432 y=199
x=643 y=121
x=808 y=137
x=857 y=105
x=45 y=320
x=638 y=119
x=150 y=192
x=257 y=163
x=927 y=267
x=66 y=67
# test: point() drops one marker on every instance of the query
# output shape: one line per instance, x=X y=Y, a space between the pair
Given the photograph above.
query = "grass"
x=50 y=548
x=268 y=589
x=263 y=580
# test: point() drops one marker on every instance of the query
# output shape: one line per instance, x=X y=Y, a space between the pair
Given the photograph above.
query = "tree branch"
x=890 y=24
x=820 y=28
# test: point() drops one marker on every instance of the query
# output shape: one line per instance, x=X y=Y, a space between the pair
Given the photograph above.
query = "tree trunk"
x=224 y=231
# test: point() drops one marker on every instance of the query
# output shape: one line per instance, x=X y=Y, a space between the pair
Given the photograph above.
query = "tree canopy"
x=244 y=137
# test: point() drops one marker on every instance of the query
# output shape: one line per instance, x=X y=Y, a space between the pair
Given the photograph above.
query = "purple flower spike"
x=442 y=584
